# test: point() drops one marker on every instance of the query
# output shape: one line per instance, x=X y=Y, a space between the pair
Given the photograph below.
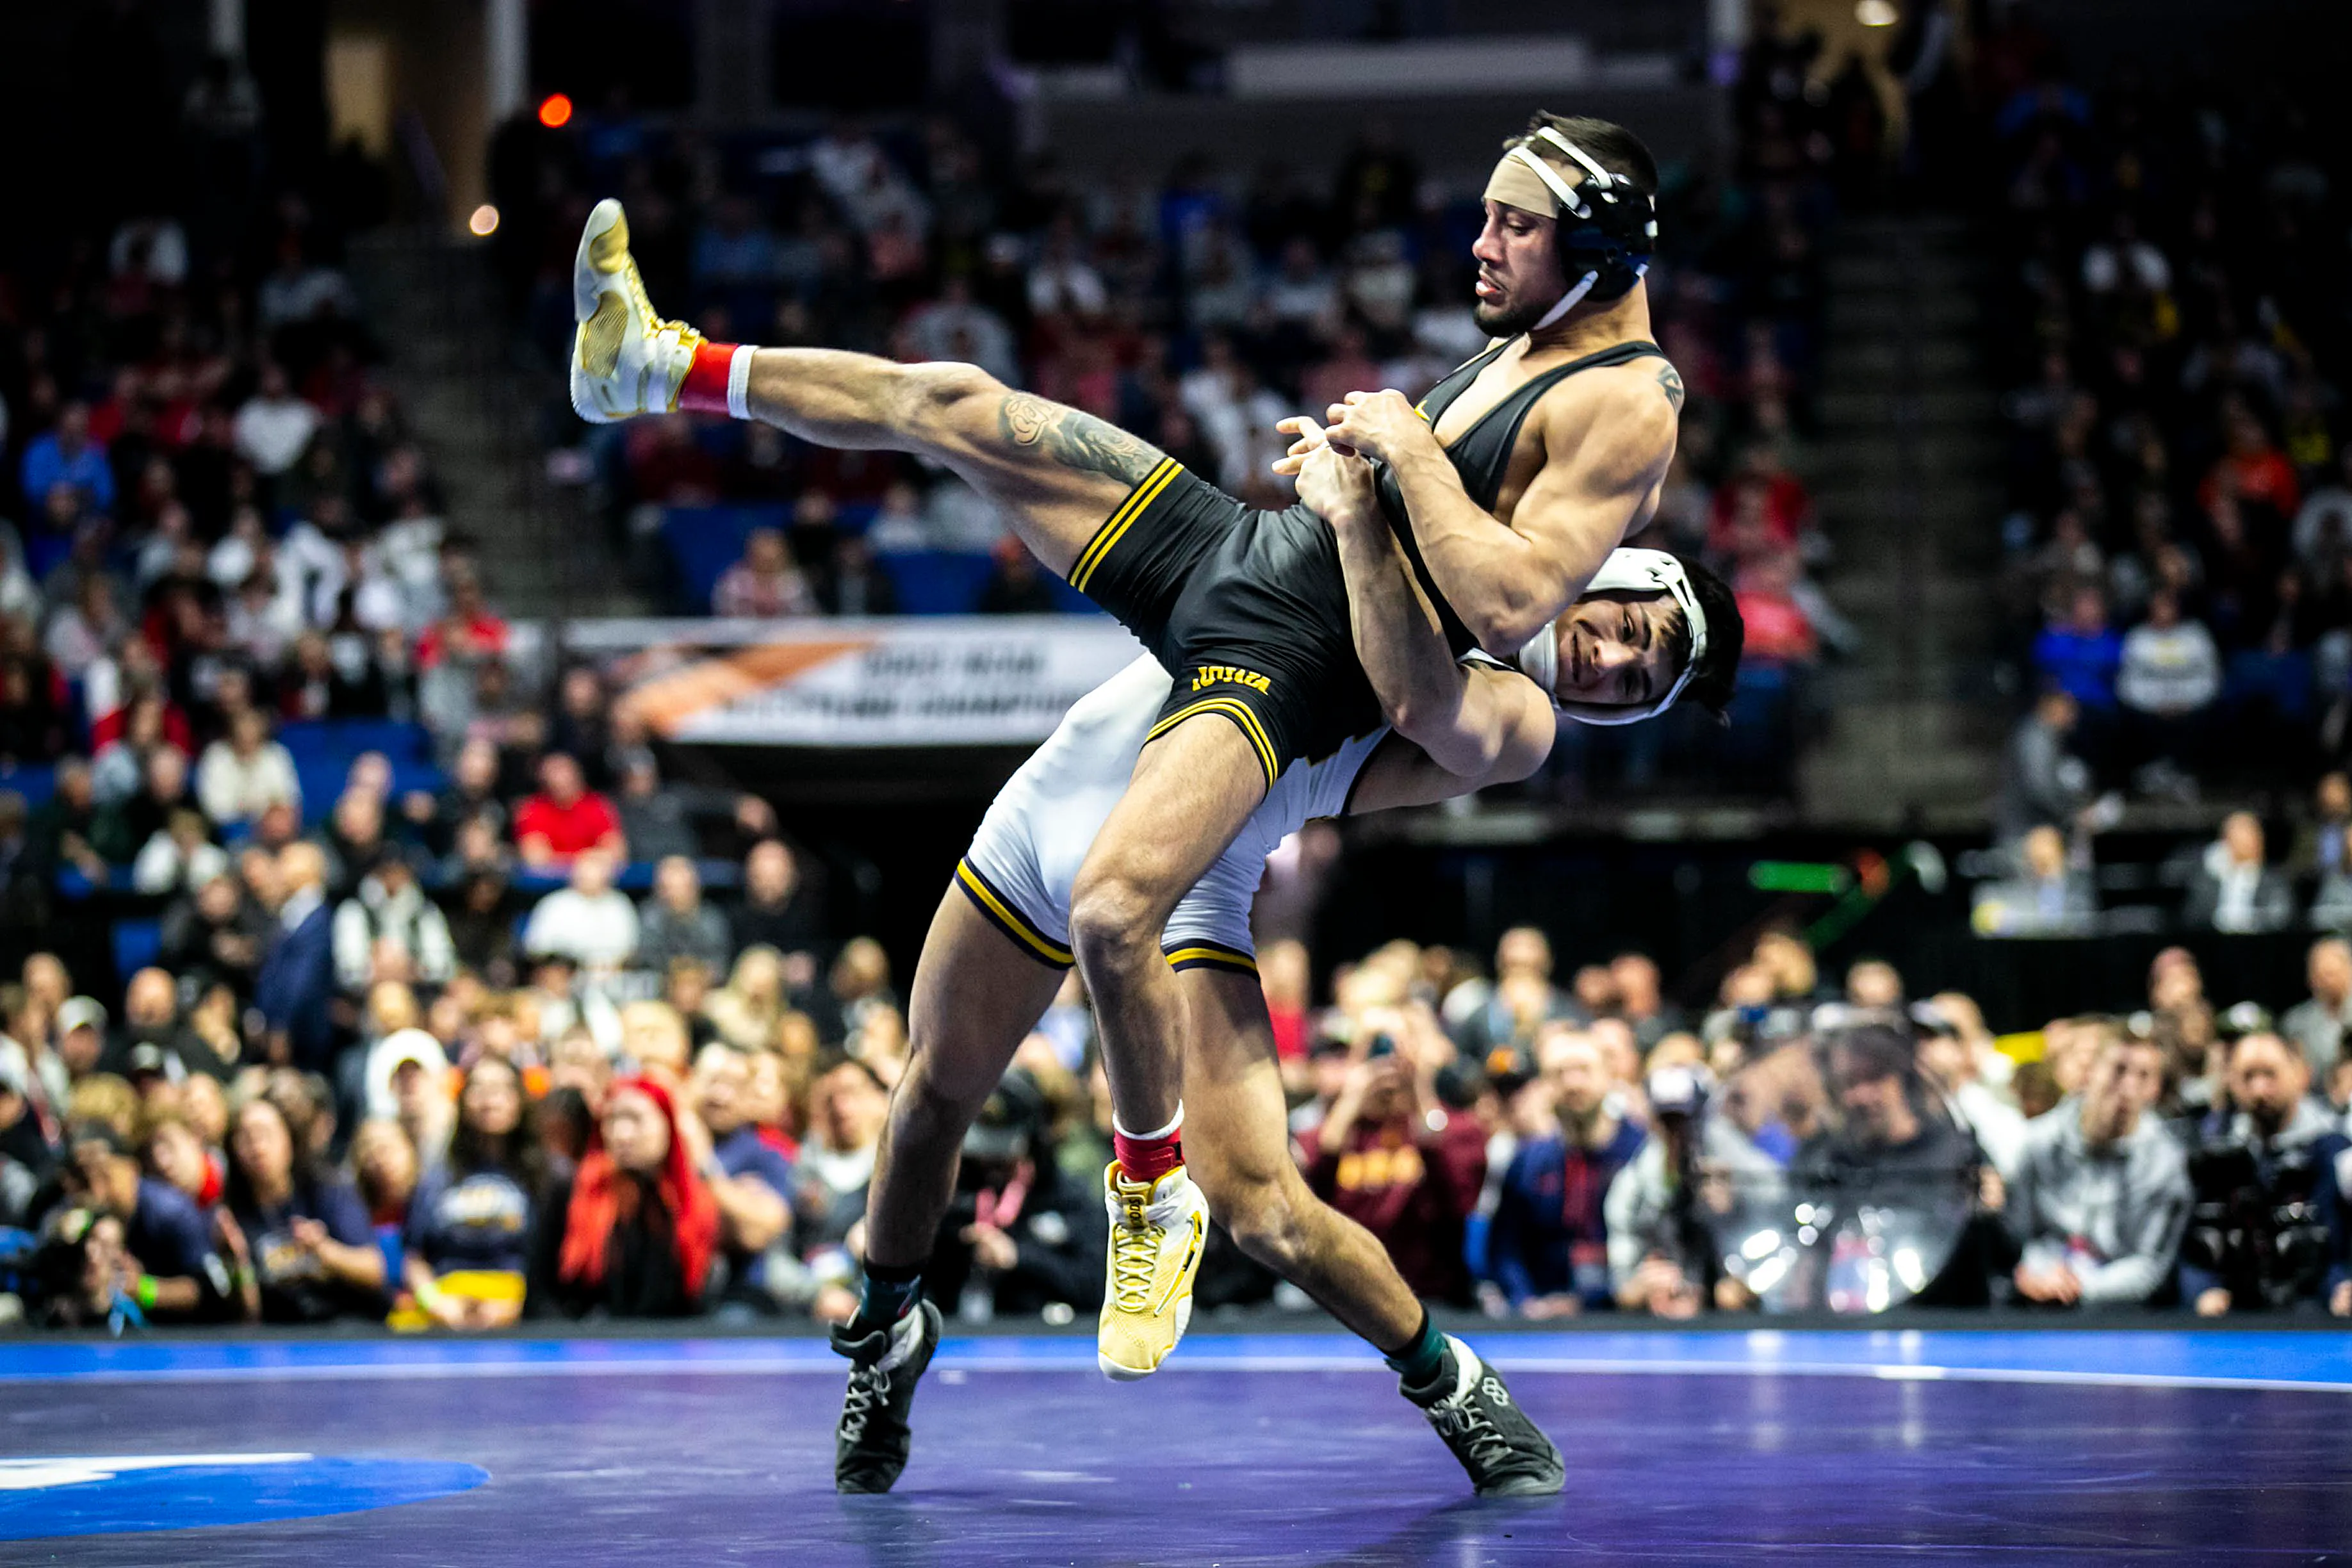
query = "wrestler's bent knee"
x=1263 y=1217
x=941 y=1092
x=1111 y=912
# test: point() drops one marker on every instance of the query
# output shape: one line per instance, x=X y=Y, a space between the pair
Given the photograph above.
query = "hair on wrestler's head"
x=1717 y=676
x=1605 y=142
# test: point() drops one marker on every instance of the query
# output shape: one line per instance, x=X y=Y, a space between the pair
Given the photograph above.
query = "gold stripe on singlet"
x=1107 y=535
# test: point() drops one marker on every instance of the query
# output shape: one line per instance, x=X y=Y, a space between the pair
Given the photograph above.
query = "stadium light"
x=1876 y=13
x=485 y=221
x=555 y=110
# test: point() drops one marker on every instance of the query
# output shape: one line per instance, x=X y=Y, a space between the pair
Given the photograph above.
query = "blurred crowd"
x=2054 y=877
x=323 y=1061
x=223 y=553
x=574 y=1146
x=1802 y=1146
x=213 y=514
x=2180 y=536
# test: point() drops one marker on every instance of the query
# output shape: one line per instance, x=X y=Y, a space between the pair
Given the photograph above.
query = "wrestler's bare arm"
x=1608 y=438
x=1482 y=726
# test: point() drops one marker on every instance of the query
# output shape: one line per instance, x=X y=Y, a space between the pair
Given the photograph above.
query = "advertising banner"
x=903 y=681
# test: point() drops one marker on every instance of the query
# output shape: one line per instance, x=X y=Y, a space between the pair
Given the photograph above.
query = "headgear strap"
x=1551 y=195
x=1625 y=571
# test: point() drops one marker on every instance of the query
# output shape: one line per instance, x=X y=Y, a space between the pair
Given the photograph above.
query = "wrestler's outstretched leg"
x=976 y=996
x=1055 y=473
x=1240 y=1157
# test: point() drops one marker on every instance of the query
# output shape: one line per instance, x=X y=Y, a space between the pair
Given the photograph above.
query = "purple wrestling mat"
x=1959 y=1446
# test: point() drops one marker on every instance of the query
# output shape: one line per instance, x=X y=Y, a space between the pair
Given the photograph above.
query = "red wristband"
x=717 y=381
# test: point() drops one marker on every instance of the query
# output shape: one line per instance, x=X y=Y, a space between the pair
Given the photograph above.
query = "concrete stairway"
x=1908 y=487
x=478 y=409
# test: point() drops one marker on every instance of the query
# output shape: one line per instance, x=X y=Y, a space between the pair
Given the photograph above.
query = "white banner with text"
x=980 y=681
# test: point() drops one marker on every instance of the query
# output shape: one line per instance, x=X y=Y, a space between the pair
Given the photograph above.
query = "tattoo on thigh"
x=1672 y=380
x=1076 y=440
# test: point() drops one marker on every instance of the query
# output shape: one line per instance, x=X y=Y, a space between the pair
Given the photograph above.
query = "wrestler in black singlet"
x=1248 y=609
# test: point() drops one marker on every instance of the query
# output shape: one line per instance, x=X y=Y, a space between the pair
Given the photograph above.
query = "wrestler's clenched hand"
x=1374 y=424
x=1305 y=434
x=1338 y=487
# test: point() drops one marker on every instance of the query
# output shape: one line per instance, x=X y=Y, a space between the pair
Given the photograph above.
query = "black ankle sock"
x=888 y=1294
x=1419 y=1360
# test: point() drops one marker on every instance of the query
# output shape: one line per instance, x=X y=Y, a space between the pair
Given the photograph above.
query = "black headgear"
x=1606 y=229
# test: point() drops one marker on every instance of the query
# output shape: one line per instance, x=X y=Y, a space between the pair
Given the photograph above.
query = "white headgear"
x=1625 y=571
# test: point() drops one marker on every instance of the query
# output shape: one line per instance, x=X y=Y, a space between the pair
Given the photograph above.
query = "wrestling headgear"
x=1606 y=228
x=1625 y=571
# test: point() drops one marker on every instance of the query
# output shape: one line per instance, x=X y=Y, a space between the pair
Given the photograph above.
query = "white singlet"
x=1029 y=846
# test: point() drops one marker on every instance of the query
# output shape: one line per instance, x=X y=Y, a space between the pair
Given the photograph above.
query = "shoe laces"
x=656 y=324
x=868 y=1387
x=1466 y=1424
x=1134 y=1252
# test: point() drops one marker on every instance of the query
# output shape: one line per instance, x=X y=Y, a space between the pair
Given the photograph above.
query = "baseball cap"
x=392 y=1053
x=1679 y=1088
x=1928 y=1018
x=2242 y=1019
x=1458 y=1085
x=81 y=1012
x=147 y=1056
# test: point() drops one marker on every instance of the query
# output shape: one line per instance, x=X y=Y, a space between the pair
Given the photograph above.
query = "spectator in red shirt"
x=2252 y=468
x=566 y=818
x=1764 y=491
x=469 y=631
x=1778 y=629
x=1391 y=1158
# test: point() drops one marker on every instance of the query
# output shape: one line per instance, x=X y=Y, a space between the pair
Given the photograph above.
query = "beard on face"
x=1507 y=320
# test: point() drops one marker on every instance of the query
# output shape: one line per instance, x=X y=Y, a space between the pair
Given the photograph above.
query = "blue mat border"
x=2157 y=1358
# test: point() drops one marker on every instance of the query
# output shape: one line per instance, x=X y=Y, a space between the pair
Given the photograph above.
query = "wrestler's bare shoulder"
x=1633 y=408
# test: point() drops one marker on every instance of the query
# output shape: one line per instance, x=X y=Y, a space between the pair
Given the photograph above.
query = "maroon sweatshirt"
x=1415 y=1189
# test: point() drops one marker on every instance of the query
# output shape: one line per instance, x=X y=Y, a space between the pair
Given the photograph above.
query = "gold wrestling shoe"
x=625 y=361
x=1157 y=1232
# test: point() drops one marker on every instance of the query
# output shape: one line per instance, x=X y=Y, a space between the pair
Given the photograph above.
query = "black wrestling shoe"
x=1506 y=1454
x=869 y=1446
